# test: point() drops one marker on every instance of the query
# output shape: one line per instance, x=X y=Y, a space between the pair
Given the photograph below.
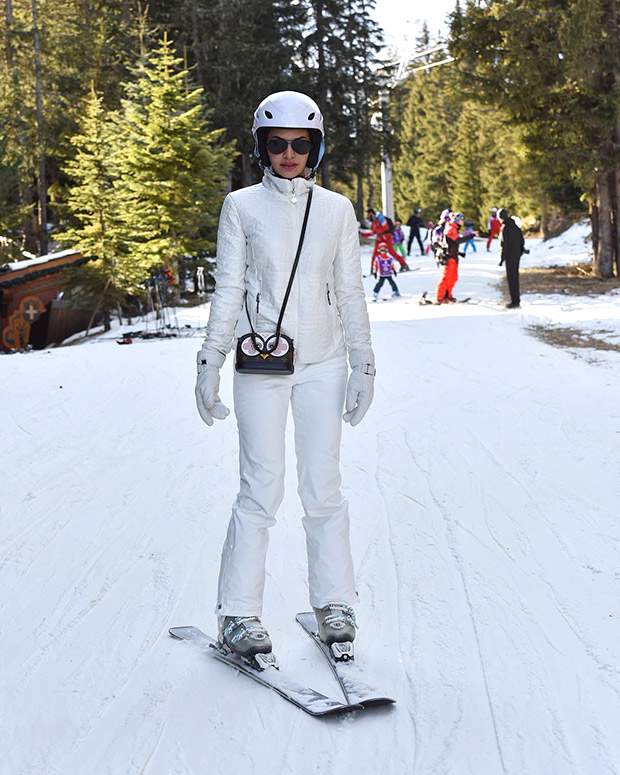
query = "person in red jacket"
x=385 y=245
x=381 y=228
x=494 y=226
x=450 y=260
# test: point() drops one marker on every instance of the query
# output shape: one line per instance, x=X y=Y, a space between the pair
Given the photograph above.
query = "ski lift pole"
x=387 y=187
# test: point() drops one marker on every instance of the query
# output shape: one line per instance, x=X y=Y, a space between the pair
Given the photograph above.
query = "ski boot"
x=246 y=637
x=337 y=629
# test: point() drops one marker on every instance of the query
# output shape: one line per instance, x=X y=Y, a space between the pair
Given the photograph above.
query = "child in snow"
x=385 y=270
x=259 y=231
x=385 y=241
x=469 y=232
x=398 y=238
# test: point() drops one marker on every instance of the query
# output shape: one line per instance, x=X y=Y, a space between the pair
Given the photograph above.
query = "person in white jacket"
x=326 y=316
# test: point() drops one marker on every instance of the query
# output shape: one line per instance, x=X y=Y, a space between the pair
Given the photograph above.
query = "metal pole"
x=387 y=191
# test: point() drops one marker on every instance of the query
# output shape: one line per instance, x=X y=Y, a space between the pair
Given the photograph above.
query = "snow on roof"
x=13 y=265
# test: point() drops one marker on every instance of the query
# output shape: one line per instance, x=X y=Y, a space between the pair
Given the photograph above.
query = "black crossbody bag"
x=274 y=354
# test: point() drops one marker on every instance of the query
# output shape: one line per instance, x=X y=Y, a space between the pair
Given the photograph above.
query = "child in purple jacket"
x=385 y=271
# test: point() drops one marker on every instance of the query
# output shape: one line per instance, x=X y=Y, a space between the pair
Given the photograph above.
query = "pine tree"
x=173 y=168
x=340 y=54
x=559 y=77
x=424 y=168
x=75 y=44
x=240 y=51
x=468 y=159
x=94 y=210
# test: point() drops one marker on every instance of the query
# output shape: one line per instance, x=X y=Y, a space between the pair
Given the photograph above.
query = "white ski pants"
x=315 y=393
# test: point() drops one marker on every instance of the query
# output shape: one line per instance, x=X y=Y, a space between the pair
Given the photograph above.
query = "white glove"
x=207 y=395
x=360 y=392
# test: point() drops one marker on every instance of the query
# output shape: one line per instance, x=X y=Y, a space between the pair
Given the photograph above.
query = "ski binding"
x=347 y=672
x=342 y=652
x=304 y=697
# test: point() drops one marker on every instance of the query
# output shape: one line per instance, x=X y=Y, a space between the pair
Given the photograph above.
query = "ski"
x=349 y=674
x=309 y=700
x=425 y=300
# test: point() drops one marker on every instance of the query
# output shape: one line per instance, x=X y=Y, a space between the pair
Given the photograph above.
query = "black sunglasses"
x=278 y=145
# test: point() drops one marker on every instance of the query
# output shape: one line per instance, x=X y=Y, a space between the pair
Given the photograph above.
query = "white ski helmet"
x=288 y=110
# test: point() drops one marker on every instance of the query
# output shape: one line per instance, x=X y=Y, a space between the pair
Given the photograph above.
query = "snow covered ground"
x=484 y=496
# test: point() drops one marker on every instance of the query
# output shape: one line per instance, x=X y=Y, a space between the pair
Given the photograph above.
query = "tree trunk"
x=371 y=188
x=616 y=211
x=359 y=202
x=41 y=183
x=247 y=173
x=594 y=224
x=604 y=257
x=196 y=45
x=25 y=173
x=321 y=83
x=544 y=217
x=8 y=51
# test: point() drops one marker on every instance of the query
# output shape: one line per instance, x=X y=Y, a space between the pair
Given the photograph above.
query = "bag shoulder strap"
x=291 y=278
x=294 y=269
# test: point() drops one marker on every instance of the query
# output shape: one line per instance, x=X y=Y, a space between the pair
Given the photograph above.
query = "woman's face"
x=289 y=164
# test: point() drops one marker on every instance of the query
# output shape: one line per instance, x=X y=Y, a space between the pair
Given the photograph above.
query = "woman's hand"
x=360 y=392
x=207 y=395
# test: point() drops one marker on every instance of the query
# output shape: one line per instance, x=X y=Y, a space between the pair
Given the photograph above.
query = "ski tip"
x=181 y=633
x=376 y=701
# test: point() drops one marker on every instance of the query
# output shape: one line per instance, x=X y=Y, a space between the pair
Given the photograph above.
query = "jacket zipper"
x=329 y=301
x=293 y=197
x=257 y=302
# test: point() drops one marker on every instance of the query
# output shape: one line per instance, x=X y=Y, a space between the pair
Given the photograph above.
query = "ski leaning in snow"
x=350 y=675
x=313 y=702
x=425 y=300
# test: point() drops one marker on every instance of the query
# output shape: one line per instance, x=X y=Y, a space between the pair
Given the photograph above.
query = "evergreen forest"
x=123 y=124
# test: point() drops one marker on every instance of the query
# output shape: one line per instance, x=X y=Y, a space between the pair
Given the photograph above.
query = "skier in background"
x=398 y=238
x=493 y=227
x=415 y=223
x=450 y=261
x=385 y=270
x=469 y=232
x=429 y=232
x=381 y=227
x=259 y=230
x=512 y=248
x=437 y=241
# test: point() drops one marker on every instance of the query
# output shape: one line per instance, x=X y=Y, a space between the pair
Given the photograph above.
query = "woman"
x=326 y=316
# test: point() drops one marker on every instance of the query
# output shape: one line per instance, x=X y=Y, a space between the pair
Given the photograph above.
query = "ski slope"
x=484 y=495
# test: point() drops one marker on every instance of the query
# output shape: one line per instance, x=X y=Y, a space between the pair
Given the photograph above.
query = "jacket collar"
x=296 y=187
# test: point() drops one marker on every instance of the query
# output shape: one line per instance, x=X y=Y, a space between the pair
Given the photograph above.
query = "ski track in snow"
x=483 y=494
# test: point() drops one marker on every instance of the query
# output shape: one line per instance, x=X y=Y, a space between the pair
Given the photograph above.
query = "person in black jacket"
x=415 y=223
x=512 y=248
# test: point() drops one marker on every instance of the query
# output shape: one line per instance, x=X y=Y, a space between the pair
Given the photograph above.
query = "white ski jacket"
x=258 y=234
